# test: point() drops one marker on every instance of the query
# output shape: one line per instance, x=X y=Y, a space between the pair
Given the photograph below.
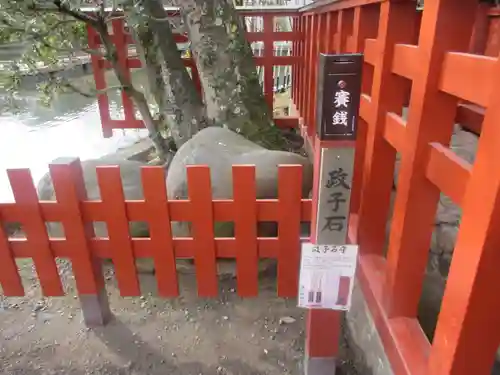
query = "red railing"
x=420 y=60
x=79 y=244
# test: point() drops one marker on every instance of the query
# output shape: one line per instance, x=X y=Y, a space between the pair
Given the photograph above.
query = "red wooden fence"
x=76 y=213
x=420 y=60
x=422 y=57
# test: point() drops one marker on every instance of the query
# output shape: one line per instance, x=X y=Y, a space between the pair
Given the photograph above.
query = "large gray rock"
x=130 y=173
x=132 y=189
x=216 y=147
x=219 y=149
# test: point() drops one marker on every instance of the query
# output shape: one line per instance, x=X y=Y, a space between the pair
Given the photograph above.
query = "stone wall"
x=363 y=339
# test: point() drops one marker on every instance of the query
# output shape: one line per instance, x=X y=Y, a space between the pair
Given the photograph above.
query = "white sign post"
x=327 y=276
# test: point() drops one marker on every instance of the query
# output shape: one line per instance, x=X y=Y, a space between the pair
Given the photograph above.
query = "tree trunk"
x=162 y=149
x=183 y=101
x=224 y=59
x=153 y=67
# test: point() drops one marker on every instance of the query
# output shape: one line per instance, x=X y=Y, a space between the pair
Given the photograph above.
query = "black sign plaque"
x=339 y=90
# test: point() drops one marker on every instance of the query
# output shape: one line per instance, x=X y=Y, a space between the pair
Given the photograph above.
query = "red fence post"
x=289 y=194
x=268 y=59
x=155 y=199
x=202 y=228
x=467 y=332
x=69 y=186
x=387 y=95
x=100 y=83
x=36 y=233
x=416 y=199
x=245 y=230
x=364 y=26
x=10 y=280
x=309 y=116
x=338 y=104
x=113 y=207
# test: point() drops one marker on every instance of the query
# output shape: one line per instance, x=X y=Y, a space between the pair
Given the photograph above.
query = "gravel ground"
x=183 y=336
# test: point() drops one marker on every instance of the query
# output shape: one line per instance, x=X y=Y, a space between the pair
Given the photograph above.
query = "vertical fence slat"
x=36 y=234
x=299 y=67
x=295 y=43
x=69 y=186
x=113 y=204
x=309 y=78
x=268 y=59
x=339 y=37
x=479 y=38
x=245 y=221
x=307 y=68
x=202 y=227
x=387 y=96
x=332 y=21
x=364 y=26
x=67 y=177
x=358 y=35
x=121 y=45
x=155 y=196
x=444 y=28
x=100 y=83
x=303 y=64
x=326 y=37
x=319 y=26
x=289 y=197
x=10 y=280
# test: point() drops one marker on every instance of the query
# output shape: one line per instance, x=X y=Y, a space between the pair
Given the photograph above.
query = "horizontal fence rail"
x=76 y=214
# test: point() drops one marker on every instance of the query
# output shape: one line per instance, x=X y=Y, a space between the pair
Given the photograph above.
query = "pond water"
x=35 y=135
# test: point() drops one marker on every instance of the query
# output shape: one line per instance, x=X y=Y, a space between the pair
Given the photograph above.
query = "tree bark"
x=183 y=101
x=224 y=59
x=154 y=73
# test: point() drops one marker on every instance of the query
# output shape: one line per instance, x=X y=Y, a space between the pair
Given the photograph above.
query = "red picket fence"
x=76 y=213
x=433 y=62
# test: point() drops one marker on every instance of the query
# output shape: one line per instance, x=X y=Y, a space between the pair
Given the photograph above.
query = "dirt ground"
x=183 y=336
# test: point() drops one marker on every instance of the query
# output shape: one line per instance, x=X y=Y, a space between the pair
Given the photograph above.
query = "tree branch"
x=94 y=93
x=81 y=16
x=40 y=37
x=90 y=51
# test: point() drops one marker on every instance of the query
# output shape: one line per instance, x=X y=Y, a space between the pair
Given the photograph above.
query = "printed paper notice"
x=327 y=276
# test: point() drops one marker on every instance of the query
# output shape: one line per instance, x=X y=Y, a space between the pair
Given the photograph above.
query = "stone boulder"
x=132 y=189
x=216 y=147
x=219 y=149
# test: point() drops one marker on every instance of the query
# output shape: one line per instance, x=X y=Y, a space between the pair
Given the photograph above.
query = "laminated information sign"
x=327 y=276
